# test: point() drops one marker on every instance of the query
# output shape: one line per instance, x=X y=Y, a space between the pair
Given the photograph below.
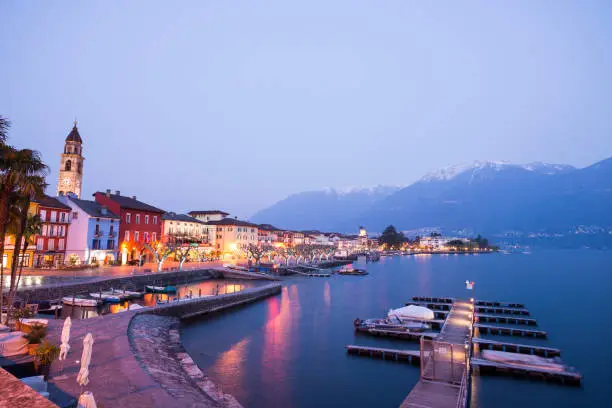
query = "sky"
x=234 y=105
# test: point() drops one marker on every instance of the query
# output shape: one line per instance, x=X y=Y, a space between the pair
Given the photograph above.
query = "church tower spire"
x=71 y=164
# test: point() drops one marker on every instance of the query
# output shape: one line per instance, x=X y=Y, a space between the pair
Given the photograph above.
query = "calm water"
x=288 y=351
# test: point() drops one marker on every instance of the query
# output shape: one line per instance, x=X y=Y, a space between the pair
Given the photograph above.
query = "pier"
x=449 y=358
x=310 y=274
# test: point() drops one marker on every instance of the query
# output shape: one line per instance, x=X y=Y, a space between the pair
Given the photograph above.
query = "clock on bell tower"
x=71 y=164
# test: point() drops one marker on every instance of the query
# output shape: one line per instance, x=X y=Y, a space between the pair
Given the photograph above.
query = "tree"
x=391 y=239
x=257 y=252
x=160 y=252
x=183 y=253
x=4 y=127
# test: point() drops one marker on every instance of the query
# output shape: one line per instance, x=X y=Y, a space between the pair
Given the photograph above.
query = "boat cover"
x=412 y=312
x=13 y=344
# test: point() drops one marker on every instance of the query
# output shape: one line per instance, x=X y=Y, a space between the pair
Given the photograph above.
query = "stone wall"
x=15 y=394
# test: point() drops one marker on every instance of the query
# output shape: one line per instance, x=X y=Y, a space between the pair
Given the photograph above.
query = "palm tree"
x=32 y=228
x=22 y=179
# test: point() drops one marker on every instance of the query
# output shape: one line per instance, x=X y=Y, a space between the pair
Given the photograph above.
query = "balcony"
x=111 y=234
x=98 y=234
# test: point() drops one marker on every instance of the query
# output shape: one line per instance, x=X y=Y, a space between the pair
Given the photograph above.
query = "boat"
x=80 y=301
x=160 y=289
x=135 y=306
x=352 y=271
x=411 y=312
x=390 y=324
x=106 y=297
x=525 y=360
x=236 y=267
x=127 y=294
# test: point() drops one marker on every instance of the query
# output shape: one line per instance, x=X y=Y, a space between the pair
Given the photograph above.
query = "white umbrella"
x=86 y=400
x=64 y=347
x=83 y=377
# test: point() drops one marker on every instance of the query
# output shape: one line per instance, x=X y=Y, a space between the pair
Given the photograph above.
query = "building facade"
x=232 y=234
x=139 y=223
x=94 y=232
x=51 y=242
x=26 y=258
x=71 y=165
x=208 y=216
x=183 y=228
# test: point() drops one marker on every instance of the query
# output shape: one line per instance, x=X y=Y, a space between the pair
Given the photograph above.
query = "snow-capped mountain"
x=451 y=172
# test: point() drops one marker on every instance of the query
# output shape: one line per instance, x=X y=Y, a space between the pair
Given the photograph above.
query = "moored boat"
x=106 y=297
x=127 y=294
x=80 y=301
x=352 y=271
x=411 y=312
x=161 y=289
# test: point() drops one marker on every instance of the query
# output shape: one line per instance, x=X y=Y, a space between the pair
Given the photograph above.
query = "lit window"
x=128 y=218
x=146 y=219
x=127 y=236
x=136 y=236
x=137 y=218
x=155 y=219
x=154 y=236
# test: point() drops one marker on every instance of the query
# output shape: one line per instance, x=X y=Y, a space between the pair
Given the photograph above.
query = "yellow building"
x=9 y=246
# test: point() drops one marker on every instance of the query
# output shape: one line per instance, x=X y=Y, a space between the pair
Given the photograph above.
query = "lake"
x=288 y=350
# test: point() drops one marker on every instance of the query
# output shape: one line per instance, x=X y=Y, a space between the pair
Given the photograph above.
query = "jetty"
x=448 y=359
x=311 y=274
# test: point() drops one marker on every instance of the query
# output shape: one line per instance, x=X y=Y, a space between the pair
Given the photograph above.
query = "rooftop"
x=130 y=202
x=204 y=212
x=180 y=217
x=74 y=136
x=232 y=221
x=93 y=208
x=268 y=227
x=51 y=202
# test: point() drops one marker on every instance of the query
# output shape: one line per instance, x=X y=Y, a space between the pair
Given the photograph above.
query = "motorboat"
x=411 y=312
x=160 y=289
x=391 y=324
x=352 y=271
x=525 y=360
x=80 y=301
x=135 y=306
x=106 y=297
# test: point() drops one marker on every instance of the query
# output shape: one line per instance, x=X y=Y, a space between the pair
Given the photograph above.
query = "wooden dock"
x=310 y=274
x=428 y=299
x=567 y=376
x=407 y=356
x=501 y=310
x=500 y=304
x=509 y=319
x=510 y=331
x=433 y=306
x=443 y=381
x=483 y=344
x=403 y=335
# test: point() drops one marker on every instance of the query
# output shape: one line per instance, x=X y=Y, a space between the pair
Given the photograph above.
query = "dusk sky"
x=235 y=105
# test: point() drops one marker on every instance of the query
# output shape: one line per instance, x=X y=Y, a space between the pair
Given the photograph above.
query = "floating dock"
x=487 y=318
x=502 y=310
x=510 y=331
x=506 y=305
x=408 y=356
x=433 y=306
x=403 y=335
x=483 y=344
x=567 y=377
x=310 y=274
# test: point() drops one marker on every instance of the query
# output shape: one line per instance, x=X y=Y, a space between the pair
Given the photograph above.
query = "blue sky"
x=236 y=104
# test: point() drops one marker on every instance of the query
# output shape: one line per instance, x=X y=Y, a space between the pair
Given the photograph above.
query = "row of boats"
x=114 y=296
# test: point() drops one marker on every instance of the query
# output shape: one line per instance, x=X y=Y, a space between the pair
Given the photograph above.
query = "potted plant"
x=21 y=313
x=44 y=355
x=35 y=336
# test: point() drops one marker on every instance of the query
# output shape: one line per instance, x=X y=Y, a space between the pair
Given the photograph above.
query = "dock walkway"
x=444 y=373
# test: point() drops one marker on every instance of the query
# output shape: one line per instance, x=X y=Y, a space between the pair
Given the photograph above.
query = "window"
x=45 y=229
x=110 y=244
x=75 y=215
x=95 y=244
x=111 y=230
x=62 y=217
x=137 y=218
x=136 y=236
x=43 y=215
x=68 y=166
x=40 y=243
x=51 y=245
x=154 y=236
x=155 y=219
x=128 y=218
x=146 y=219
x=51 y=230
x=60 y=244
x=53 y=216
x=145 y=236
x=126 y=238
x=97 y=231
x=80 y=168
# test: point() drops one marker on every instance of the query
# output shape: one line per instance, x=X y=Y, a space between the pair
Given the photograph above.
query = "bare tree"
x=257 y=252
x=160 y=252
x=182 y=254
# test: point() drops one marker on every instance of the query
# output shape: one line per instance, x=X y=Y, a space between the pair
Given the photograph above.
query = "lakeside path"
x=142 y=369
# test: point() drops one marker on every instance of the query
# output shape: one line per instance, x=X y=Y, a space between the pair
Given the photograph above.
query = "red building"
x=139 y=223
x=51 y=242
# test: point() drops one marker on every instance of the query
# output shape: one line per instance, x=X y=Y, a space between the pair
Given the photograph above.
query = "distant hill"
x=488 y=197
x=322 y=209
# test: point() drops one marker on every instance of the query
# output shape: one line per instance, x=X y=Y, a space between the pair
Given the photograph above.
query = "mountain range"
x=488 y=197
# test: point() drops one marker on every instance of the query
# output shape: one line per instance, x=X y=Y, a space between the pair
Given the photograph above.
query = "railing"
x=462 y=399
x=99 y=234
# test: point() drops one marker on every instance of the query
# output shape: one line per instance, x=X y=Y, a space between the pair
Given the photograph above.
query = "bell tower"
x=71 y=164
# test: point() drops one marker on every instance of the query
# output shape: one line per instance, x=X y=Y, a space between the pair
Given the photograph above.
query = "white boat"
x=135 y=306
x=522 y=360
x=106 y=296
x=126 y=293
x=411 y=312
x=79 y=301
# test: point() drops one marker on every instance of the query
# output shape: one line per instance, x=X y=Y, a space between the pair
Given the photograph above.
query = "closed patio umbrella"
x=83 y=377
x=86 y=400
x=64 y=347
